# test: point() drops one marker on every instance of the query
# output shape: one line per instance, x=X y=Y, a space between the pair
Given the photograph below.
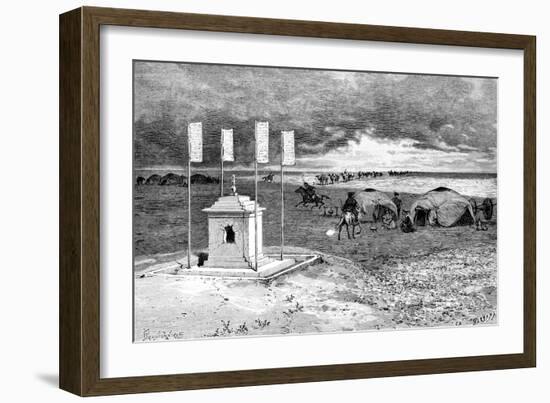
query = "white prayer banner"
x=262 y=142
x=194 y=132
x=288 y=157
x=227 y=145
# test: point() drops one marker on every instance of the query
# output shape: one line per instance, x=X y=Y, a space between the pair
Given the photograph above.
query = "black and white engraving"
x=275 y=200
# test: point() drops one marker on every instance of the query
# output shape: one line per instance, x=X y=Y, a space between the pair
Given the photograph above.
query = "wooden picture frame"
x=79 y=348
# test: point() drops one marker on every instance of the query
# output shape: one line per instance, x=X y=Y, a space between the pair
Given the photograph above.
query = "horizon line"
x=291 y=169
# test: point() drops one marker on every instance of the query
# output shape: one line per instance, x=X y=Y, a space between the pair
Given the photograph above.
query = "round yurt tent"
x=441 y=206
x=373 y=203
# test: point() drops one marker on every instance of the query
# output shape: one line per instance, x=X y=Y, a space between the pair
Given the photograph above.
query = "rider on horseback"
x=310 y=190
x=351 y=206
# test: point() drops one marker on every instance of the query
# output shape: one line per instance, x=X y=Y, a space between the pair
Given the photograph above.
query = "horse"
x=310 y=198
x=268 y=178
x=348 y=220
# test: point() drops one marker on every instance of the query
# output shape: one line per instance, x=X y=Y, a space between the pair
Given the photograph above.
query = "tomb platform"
x=269 y=271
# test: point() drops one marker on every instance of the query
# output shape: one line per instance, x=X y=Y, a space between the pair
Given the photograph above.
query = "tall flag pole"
x=188 y=198
x=194 y=154
x=226 y=151
x=221 y=165
x=287 y=158
x=282 y=195
x=261 y=155
x=256 y=196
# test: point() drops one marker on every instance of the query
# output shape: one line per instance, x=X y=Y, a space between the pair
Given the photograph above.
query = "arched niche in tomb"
x=229 y=234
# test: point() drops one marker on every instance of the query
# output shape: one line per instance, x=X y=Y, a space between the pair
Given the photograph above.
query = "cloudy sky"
x=353 y=120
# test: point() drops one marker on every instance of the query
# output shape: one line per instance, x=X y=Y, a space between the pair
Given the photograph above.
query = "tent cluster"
x=441 y=206
x=171 y=179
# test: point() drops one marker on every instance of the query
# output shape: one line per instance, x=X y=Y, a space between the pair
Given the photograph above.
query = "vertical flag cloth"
x=262 y=142
x=227 y=145
x=289 y=157
x=194 y=133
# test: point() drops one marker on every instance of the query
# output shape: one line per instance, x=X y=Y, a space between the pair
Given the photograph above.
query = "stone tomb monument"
x=232 y=241
x=231 y=234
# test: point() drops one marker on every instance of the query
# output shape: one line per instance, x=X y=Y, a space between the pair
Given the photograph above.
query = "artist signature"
x=488 y=317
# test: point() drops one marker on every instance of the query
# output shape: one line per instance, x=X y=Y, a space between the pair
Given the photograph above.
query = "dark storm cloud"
x=327 y=110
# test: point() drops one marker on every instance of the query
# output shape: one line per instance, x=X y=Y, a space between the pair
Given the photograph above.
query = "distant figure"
x=387 y=220
x=397 y=201
x=233 y=186
x=407 y=225
x=488 y=208
x=268 y=178
x=351 y=206
x=482 y=214
x=140 y=180
x=480 y=222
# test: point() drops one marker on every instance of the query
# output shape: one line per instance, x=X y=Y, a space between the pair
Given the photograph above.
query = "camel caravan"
x=346 y=176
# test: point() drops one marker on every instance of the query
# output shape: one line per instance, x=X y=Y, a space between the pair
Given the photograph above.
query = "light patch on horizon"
x=382 y=154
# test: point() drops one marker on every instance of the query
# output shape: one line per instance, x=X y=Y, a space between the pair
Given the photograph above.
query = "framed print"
x=250 y=201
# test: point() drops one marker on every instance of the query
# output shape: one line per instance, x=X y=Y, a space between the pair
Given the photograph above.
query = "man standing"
x=397 y=201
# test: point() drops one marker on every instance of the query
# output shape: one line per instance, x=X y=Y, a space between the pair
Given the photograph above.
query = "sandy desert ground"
x=332 y=296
